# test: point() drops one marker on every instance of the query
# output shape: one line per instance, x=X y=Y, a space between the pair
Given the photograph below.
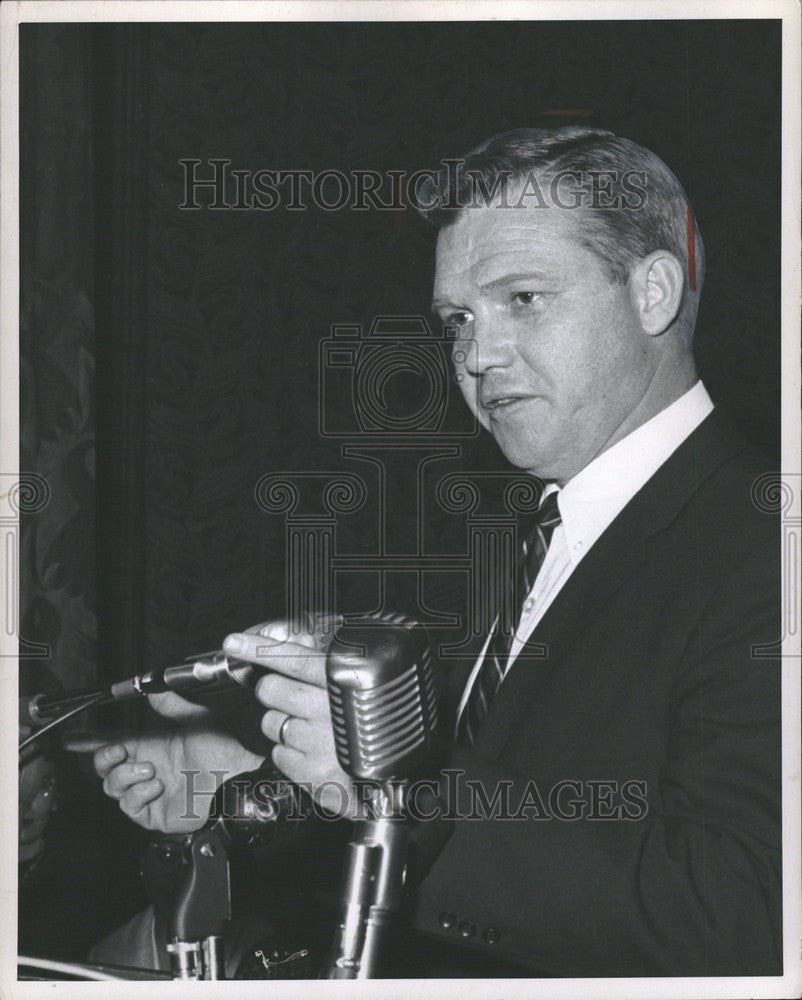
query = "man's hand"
x=296 y=687
x=171 y=705
x=143 y=771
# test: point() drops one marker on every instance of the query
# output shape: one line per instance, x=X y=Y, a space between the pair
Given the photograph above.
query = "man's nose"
x=492 y=345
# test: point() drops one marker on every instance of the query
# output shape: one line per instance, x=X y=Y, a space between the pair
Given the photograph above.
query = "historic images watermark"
x=452 y=797
x=426 y=429
x=24 y=494
x=777 y=493
x=217 y=185
x=356 y=366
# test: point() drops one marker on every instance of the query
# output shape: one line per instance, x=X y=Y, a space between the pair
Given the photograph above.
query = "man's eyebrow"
x=439 y=304
x=505 y=279
x=508 y=279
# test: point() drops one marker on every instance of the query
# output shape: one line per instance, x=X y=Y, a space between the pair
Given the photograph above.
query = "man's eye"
x=524 y=298
x=458 y=319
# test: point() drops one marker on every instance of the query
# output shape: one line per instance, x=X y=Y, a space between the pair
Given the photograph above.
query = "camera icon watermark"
x=397 y=381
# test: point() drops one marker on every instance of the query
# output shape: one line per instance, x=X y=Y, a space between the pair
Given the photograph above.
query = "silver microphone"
x=210 y=673
x=384 y=713
x=204 y=673
x=382 y=696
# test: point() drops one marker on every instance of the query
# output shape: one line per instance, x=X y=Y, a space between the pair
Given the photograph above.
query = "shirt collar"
x=595 y=496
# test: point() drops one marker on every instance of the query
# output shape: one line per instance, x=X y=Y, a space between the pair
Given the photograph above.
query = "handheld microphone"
x=204 y=673
x=210 y=673
x=384 y=713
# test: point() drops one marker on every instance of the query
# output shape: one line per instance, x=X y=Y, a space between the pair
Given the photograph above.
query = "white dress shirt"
x=590 y=502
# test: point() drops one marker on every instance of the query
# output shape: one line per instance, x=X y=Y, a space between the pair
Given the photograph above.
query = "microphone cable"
x=60 y=719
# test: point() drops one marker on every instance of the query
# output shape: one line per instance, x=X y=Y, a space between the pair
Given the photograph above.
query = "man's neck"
x=670 y=381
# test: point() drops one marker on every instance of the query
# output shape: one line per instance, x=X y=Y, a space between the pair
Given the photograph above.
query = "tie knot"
x=549 y=509
x=540 y=522
x=548 y=513
x=536 y=537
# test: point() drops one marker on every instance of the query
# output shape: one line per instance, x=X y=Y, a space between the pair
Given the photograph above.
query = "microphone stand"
x=253 y=808
x=374 y=882
x=195 y=946
x=383 y=705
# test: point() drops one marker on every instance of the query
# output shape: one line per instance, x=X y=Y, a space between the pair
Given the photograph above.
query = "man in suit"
x=626 y=719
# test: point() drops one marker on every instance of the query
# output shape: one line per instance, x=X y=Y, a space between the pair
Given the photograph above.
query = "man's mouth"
x=501 y=402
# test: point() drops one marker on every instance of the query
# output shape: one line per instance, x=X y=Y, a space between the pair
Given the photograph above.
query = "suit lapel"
x=454 y=674
x=612 y=561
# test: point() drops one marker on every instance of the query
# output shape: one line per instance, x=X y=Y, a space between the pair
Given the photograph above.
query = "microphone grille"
x=382 y=696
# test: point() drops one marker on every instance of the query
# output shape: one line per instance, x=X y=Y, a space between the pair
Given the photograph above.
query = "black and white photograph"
x=400 y=493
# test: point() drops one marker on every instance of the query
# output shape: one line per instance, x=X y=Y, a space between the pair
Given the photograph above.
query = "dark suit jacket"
x=649 y=676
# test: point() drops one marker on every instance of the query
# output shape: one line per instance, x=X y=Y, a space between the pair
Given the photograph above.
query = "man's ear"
x=657 y=282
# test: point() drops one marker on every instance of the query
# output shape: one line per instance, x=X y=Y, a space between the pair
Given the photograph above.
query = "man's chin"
x=527 y=458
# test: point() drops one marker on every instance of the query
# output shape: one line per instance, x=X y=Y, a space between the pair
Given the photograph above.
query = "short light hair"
x=661 y=220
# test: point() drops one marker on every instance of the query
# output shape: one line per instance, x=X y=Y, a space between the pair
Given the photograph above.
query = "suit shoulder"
x=735 y=516
x=743 y=485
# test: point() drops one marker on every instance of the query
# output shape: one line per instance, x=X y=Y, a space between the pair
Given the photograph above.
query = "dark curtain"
x=84 y=881
x=58 y=592
x=120 y=73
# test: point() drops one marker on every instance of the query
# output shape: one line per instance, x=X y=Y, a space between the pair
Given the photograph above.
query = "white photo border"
x=43 y=11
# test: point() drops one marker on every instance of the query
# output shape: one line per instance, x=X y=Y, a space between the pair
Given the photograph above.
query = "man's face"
x=558 y=361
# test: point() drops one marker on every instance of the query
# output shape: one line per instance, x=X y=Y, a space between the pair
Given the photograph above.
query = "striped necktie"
x=491 y=673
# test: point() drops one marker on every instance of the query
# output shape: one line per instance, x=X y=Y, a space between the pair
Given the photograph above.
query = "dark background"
x=169 y=358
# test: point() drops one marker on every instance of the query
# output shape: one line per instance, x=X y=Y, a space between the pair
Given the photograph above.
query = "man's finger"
x=304 y=701
x=290 y=762
x=171 y=705
x=108 y=757
x=288 y=658
x=87 y=742
x=296 y=733
x=138 y=798
x=120 y=778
